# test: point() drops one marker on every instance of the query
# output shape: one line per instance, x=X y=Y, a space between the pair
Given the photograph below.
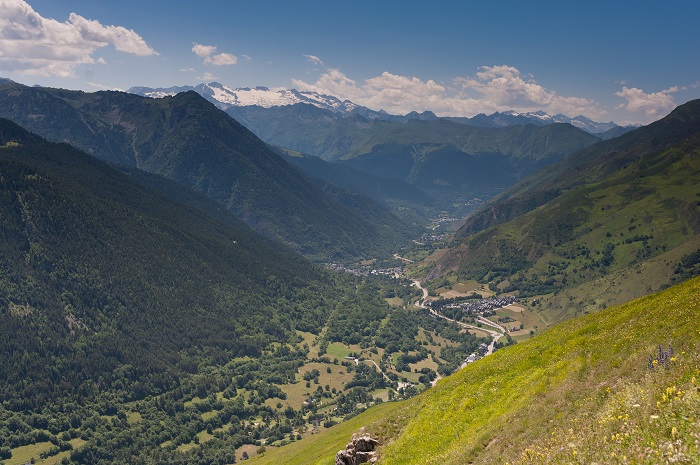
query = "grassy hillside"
x=321 y=448
x=597 y=220
x=582 y=392
x=635 y=149
x=187 y=139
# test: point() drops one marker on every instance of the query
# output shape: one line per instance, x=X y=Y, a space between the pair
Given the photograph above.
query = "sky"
x=629 y=62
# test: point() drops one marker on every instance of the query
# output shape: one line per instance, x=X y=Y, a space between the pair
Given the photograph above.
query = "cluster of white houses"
x=483 y=305
x=393 y=272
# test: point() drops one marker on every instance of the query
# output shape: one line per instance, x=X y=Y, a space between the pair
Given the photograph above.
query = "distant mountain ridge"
x=226 y=97
x=187 y=139
x=453 y=159
x=538 y=118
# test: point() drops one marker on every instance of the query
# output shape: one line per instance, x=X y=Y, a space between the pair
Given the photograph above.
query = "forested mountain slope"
x=90 y=254
x=187 y=139
x=450 y=161
x=446 y=156
x=124 y=294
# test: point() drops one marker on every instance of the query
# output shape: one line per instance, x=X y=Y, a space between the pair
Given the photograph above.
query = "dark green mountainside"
x=612 y=222
x=308 y=129
x=94 y=256
x=187 y=139
x=395 y=193
x=446 y=158
x=124 y=296
x=451 y=162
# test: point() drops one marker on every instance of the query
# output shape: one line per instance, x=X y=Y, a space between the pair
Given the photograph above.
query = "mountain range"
x=440 y=154
x=143 y=319
x=615 y=221
x=189 y=140
x=452 y=160
x=226 y=97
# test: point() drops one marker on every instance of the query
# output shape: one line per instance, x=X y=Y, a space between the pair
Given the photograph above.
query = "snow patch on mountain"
x=225 y=97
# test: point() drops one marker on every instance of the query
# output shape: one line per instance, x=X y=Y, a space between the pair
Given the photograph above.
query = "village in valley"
x=470 y=306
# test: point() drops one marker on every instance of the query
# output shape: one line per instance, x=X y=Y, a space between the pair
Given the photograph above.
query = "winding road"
x=496 y=335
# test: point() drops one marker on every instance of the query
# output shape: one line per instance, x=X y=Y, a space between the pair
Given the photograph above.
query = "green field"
x=25 y=454
x=579 y=393
x=338 y=350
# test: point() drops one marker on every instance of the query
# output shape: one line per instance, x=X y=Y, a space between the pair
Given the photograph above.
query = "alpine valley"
x=453 y=160
x=205 y=275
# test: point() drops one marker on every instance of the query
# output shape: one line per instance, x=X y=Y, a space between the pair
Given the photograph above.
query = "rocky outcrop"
x=359 y=450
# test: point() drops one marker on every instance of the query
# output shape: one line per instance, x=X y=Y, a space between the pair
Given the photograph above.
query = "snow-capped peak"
x=225 y=97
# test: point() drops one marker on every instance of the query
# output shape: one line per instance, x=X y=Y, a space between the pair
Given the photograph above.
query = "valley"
x=274 y=299
x=337 y=233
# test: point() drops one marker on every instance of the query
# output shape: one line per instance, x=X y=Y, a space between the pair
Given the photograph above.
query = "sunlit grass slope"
x=581 y=393
x=321 y=448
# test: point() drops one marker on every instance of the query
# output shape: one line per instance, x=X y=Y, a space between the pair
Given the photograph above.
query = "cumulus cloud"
x=494 y=88
x=207 y=52
x=653 y=105
x=504 y=87
x=32 y=44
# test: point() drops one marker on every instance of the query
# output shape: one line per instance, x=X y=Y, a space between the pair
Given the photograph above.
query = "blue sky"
x=621 y=61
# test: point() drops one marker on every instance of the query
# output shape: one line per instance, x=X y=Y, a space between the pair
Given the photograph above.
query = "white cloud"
x=207 y=77
x=503 y=88
x=203 y=51
x=124 y=40
x=224 y=59
x=187 y=70
x=653 y=105
x=314 y=60
x=104 y=87
x=32 y=44
x=496 y=88
x=333 y=82
x=210 y=58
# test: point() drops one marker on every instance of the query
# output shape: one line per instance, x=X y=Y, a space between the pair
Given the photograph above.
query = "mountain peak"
x=226 y=97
